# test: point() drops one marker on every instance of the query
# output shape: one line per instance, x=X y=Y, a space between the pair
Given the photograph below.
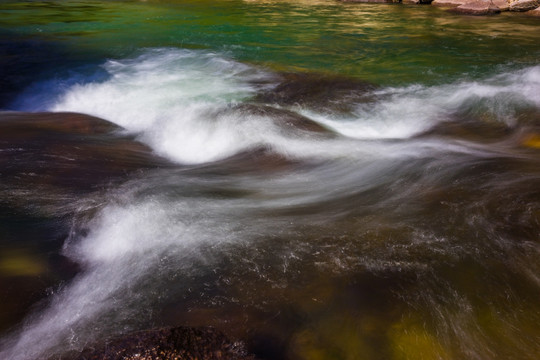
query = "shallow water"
x=347 y=181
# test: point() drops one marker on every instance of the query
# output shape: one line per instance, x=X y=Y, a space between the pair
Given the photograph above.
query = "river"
x=347 y=181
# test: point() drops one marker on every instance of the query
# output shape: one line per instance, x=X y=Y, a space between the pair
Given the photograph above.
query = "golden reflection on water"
x=21 y=263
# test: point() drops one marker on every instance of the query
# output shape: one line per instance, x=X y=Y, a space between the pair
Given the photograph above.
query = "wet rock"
x=286 y=119
x=470 y=130
x=416 y=2
x=501 y=4
x=50 y=164
x=479 y=7
x=51 y=155
x=535 y=12
x=523 y=5
x=317 y=91
x=368 y=1
x=180 y=343
x=449 y=3
x=255 y=161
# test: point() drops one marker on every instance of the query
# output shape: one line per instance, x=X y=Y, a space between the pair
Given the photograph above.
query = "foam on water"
x=127 y=242
x=167 y=96
x=173 y=99
x=405 y=112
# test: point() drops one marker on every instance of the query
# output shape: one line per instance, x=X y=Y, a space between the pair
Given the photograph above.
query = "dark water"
x=335 y=181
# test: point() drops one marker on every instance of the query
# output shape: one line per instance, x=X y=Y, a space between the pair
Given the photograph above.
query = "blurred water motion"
x=391 y=214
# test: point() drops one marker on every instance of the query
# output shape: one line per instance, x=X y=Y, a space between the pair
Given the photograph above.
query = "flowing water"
x=349 y=181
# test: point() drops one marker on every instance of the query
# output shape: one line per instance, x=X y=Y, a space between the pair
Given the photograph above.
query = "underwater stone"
x=181 y=343
x=323 y=92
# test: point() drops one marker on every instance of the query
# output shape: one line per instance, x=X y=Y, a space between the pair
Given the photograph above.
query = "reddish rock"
x=368 y=1
x=535 y=12
x=59 y=152
x=523 y=5
x=478 y=7
x=501 y=4
x=449 y=3
x=416 y=2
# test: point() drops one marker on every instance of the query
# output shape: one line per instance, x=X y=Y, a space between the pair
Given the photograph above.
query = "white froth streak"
x=169 y=96
x=126 y=243
x=172 y=98
x=405 y=112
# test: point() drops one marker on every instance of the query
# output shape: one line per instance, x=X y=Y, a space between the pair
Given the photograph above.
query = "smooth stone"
x=449 y=3
x=285 y=119
x=535 y=12
x=416 y=2
x=501 y=4
x=319 y=91
x=470 y=130
x=67 y=152
x=479 y=7
x=523 y=5
x=50 y=164
x=368 y=1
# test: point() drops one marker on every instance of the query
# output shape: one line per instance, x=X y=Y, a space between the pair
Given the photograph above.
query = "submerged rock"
x=47 y=156
x=470 y=130
x=180 y=343
x=285 y=119
x=478 y=7
x=523 y=5
x=51 y=164
x=317 y=91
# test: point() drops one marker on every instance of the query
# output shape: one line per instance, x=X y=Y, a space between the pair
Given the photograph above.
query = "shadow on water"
x=21 y=59
x=28 y=60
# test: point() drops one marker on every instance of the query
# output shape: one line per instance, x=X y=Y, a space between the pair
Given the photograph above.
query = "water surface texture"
x=332 y=181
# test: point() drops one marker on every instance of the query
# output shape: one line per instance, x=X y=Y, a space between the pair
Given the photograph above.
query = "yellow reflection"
x=19 y=263
x=532 y=141
x=411 y=341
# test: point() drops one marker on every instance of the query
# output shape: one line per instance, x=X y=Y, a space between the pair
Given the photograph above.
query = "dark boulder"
x=51 y=154
x=51 y=164
x=317 y=91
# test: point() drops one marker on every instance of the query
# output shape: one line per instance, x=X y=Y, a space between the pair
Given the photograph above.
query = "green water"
x=384 y=44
